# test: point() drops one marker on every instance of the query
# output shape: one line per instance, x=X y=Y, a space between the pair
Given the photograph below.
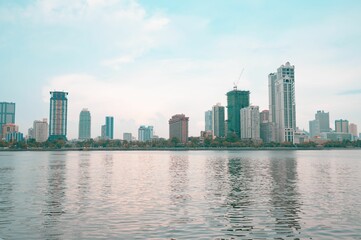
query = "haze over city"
x=143 y=62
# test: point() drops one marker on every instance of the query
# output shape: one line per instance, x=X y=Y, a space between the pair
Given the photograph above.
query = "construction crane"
x=239 y=78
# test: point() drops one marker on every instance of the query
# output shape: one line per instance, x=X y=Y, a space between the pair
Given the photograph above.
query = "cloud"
x=351 y=92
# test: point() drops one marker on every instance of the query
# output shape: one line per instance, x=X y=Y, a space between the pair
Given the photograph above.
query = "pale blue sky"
x=143 y=61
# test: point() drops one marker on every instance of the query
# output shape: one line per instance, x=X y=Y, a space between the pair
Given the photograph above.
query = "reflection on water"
x=180 y=195
x=55 y=197
x=239 y=201
x=284 y=196
x=6 y=190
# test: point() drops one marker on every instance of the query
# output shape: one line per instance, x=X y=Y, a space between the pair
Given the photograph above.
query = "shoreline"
x=179 y=149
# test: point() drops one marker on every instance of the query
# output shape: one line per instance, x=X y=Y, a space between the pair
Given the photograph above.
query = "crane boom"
x=239 y=78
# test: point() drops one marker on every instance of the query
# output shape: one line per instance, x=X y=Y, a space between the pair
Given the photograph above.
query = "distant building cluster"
x=278 y=123
x=239 y=119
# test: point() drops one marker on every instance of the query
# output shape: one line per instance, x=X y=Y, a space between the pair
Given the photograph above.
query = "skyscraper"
x=58 y=115
x=7 y=115
x=341 y=126
x=266 y=127
x=272 y=77
x=178 y=127
x=324 y=120
x=109 y=127
x=145 y=133
x=250 y=126
x=218 y=120
x=236 y=100
x=208 y=120
x=353 y=129
x=84 y=125
x=282 y=103
x=40 y=130
x=314 y=128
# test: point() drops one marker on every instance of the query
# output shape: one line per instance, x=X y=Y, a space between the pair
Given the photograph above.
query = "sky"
x=143 y=61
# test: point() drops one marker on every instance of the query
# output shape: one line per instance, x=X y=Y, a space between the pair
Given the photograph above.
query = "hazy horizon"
x=144 y=61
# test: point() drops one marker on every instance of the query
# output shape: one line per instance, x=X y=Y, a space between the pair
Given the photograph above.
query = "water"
x=181 y=195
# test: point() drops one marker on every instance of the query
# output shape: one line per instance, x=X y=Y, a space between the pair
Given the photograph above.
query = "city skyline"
x=161 y=58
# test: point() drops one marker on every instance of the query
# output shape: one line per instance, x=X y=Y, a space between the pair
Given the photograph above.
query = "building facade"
x=314 y=126
x=7 y=115
x=218 y=121
x=14 y=137
x=282 y=103
x=9 y=128
x=40 y=130
x=84 y=125
x=324 y=120
x=145 y=133
x=266 y=127
x=236 y=100
x=272 y=77
x=336 y=136
x=109 y=127
x=208 y=120
x=341 y=126
x=353 y=130
x=250 y=125
x=127 y=137
x=178 y=127
x=58 y=115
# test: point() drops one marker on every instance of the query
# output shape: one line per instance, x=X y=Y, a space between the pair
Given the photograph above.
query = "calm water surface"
x=181 y=195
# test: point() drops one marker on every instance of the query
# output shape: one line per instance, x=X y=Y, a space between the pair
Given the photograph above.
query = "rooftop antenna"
x=239 y=78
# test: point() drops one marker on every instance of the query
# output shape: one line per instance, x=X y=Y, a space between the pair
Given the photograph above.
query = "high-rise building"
x=9 y=128
x=7 y=115
x=266 y=127
x=208 y=120
x=314 y=128
x=324 y=120
x=264 y=116
x=341 y=126
x=272 y=77
x=84 y=125
x=250 y=125
x=103 y=132
x=178 y=127
x=14 y=137
x=31 y=133
x=236 y=100
x=58 y=115
x=353 y=129
x=109 y=127
x=282 y=103
x=218 y=120
x=40 y=130
x=320 y=124
x=145 y=133
x=127 y=137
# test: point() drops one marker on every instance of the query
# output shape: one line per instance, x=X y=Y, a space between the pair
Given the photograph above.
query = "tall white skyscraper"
x=250 y=123
x=282 y=102
x=40 y=130
x=218 y=120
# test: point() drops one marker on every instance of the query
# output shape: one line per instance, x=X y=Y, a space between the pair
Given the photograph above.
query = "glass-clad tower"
x=7 y=115
x=84 y=125
x=58 y=115
x=236 y=100
x=109 y=127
